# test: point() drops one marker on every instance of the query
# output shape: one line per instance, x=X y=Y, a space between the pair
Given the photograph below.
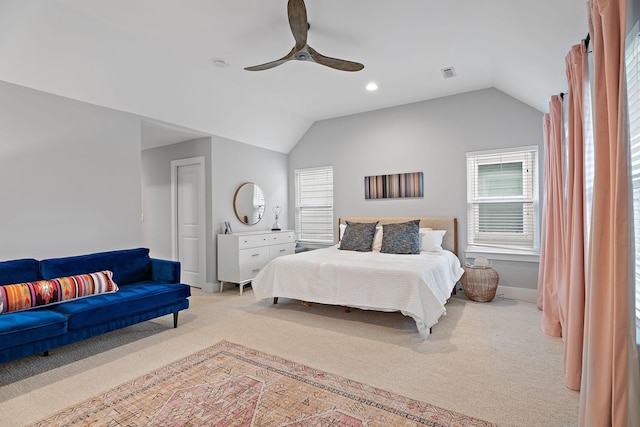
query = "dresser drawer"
x=249 y=271
x=250 y=241
x=253 y=255
x=286 y=237
x=283 y=249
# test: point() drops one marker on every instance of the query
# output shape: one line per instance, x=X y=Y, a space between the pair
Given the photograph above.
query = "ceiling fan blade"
x=275 y=63
x=267 y=65
x=338 y=64
x=298 y=22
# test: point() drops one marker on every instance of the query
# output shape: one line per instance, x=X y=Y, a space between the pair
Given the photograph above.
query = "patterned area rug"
x=231 y=385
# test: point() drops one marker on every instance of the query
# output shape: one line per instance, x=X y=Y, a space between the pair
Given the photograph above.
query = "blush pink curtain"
x=608 y=395
x=552 y=249
x=573 y=327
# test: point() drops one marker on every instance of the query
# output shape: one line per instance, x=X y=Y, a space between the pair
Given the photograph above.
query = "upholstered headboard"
x=449 y=241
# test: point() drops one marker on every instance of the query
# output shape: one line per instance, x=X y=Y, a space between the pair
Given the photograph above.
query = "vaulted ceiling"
x=180 y=63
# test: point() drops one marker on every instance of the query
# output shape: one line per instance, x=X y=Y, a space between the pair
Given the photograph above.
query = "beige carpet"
x=485 y=360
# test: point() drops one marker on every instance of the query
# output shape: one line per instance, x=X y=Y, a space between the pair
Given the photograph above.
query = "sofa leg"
x=275 y=300
x=46 y=353
x=175 y=319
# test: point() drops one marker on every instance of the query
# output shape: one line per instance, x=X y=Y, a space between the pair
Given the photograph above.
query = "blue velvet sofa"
x=148 y=288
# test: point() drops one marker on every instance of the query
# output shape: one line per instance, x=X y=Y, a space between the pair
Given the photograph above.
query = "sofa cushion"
x=19 y=271
x=30 y=326
x=127 y=265
x=25 y=296
x=129 y=300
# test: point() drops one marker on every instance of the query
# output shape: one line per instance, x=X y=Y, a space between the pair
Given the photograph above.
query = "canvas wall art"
x=399 y=185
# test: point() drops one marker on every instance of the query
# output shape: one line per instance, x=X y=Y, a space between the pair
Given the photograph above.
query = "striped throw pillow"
x=24 y=296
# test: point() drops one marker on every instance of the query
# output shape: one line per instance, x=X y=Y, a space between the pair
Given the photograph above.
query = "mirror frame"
x=245 y=219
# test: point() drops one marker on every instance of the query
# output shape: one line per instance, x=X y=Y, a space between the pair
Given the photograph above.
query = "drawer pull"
x=283 y=250
x=255 y=271
x=255 y=255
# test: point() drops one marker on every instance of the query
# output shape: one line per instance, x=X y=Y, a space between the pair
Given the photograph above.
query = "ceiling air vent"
x=448 y=72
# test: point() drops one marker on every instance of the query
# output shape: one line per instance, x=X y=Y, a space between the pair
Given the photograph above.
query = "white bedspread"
x=416 y=285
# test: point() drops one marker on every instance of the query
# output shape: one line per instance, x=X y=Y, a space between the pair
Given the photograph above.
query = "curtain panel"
x=573 y=328
x=610 y=371
x=551 y=275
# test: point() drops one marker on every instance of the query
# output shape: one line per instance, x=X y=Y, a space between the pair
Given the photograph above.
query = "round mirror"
x=249 y=203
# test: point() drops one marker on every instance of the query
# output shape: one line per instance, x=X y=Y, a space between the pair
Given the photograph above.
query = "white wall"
x=69 y=174
x=235 y=163
x=156 y=193
x=228 y=164
x=430 y=137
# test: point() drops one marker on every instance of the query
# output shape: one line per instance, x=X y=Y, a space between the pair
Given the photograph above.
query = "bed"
x=417 y=285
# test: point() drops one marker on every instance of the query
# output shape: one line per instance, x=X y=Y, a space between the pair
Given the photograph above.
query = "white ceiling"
x=155 y=58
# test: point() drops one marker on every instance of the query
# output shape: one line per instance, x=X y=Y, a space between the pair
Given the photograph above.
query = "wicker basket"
x=480 y=284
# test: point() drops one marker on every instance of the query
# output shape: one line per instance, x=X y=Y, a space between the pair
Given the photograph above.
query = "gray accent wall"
x=69 y=174
x=228 y=164
x=430 y=137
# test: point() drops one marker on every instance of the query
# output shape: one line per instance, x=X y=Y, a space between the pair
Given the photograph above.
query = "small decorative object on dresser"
x=480 y=280
x=242 y=255
x=277 y=210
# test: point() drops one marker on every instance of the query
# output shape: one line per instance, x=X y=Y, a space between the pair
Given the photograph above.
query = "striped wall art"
x=399 y=185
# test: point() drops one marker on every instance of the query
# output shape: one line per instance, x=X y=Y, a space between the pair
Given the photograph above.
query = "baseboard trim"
x=208 y=287
x=521 y=294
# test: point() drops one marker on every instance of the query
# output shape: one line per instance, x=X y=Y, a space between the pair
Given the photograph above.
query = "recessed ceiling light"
x=372 y=87
x=220 y=63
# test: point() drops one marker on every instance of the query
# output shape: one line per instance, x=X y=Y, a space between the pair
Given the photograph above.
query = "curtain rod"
x=586 y=47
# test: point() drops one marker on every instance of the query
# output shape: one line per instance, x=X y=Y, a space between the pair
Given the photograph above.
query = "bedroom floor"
x=487 y=360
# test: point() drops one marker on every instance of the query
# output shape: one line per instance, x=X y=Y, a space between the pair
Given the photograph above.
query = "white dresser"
x=242 y=255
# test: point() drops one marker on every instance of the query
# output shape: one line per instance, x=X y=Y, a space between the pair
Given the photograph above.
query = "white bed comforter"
x=416 y=285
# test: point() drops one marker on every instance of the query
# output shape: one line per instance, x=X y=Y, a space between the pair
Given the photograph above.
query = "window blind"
x=314 y=205
x=502 y=199
x=633 y=93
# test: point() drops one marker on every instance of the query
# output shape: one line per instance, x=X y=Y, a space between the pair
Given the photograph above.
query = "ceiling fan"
x=302 y=51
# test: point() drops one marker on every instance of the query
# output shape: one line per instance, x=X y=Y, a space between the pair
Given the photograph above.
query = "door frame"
x=175 y=164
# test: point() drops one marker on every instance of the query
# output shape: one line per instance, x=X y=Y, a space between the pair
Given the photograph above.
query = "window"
x=314 y=205
x=502 y=201
x=633 y=93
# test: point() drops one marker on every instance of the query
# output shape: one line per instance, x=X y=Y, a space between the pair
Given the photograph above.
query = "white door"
x=189 y=219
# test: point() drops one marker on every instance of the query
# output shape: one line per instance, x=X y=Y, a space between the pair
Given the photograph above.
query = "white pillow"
x=377 y=239
x=431 y=240
x=342 y=228
x=422 y=231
